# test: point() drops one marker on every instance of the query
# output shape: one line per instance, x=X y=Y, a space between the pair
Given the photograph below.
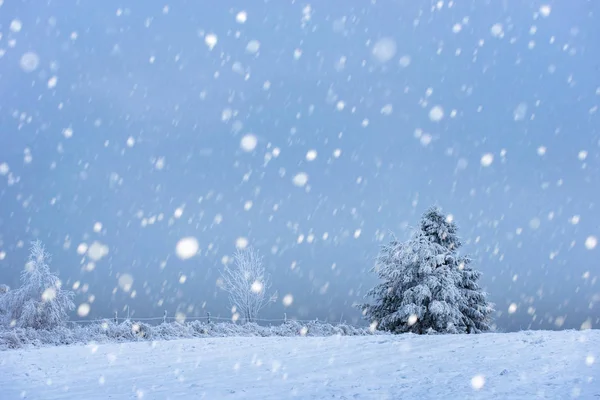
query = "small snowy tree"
x=39 y=303
x=247 y=284
x=426 y=286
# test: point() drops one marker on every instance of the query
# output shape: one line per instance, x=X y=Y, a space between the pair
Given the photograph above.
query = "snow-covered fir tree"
x=426 y=286
x=40 y=302
x=418 y=292
x=474 y=306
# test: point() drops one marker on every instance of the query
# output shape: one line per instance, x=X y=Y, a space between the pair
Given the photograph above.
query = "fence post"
x=284 y=317
x=208 y=316
x=116 y=319
x=165 y=317
x=127 y=312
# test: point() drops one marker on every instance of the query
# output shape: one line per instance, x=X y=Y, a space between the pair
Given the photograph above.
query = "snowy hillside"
x=525 y=365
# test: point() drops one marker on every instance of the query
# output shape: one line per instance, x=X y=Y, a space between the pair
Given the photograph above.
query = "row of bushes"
x=128 y=331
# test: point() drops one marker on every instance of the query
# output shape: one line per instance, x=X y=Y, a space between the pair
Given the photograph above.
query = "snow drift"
x=524 y=365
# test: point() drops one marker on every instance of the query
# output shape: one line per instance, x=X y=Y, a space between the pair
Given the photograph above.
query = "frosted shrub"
x=10 y=340
x=131 y=331
x=142 y=331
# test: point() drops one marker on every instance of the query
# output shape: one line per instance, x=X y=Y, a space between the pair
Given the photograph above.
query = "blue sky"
x=128 y=113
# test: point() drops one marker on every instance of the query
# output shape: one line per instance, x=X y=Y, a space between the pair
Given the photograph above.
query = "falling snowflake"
x=300 y=179
x=52 y=82
x=387 y=109
x=211 y=40
x=187 y=247
x=125 y=282
x=404 y=61
x=29 y=61
x=241 y=243
x=83 y=310
x=412 y=319
x=68 y=133
x=591 y=242
x=477 y=382
x=545 y=10
x=487 y=159
x=97 y=251
x=49 y=294
x=288 y=299
x=253 y=46
x=497 y=30
x=16 y=25
x=97 y=227
x=436 y=114
x=384 y=49
x=257 y=287
x=248 y=142
x=311 y=155
x=241 y=17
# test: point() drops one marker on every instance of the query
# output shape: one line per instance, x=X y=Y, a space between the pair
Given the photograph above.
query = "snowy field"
x=525 y=365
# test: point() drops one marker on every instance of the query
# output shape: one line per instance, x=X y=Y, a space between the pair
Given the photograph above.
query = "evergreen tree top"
x=440 y=229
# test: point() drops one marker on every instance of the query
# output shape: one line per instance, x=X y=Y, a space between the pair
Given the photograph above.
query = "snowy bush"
x=427 y=287
x=247 y=284
x=11 y=340
x=39 y=303
x=131 y=331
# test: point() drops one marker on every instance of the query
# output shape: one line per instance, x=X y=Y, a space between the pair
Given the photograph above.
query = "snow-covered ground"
x=525 y=365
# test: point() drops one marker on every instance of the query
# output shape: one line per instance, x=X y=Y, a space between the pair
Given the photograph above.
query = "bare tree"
x=247 y=284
